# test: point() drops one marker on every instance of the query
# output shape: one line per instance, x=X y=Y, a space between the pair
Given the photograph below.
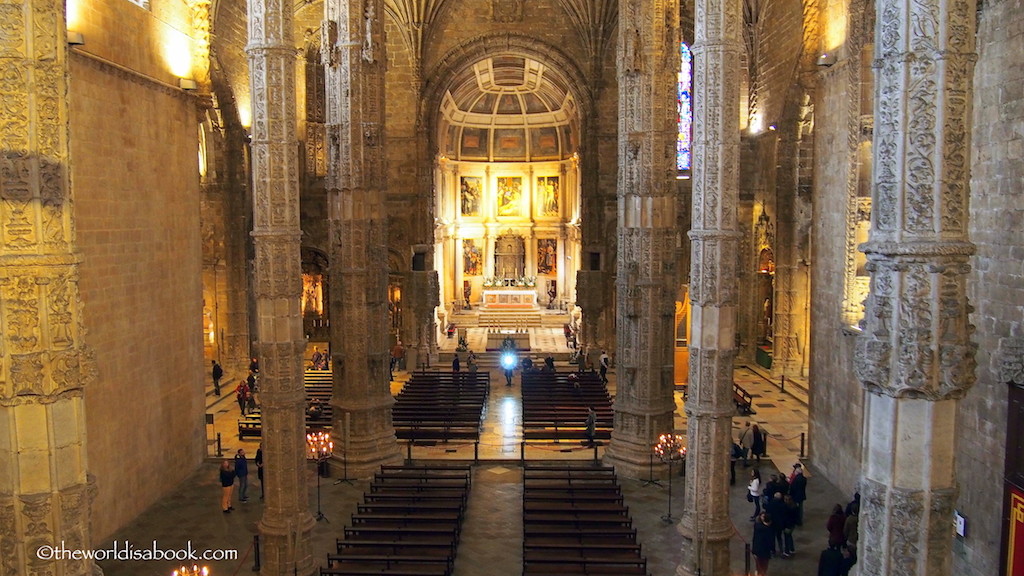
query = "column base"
x=286 y=547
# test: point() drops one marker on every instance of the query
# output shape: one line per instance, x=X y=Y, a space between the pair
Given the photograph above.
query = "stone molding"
x=1008 y=361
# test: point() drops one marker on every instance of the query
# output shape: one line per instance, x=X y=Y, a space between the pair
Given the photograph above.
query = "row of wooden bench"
x=408 y=524
x=556 y=406
x=744 y=400
x=441 y=406
x=576 y=524
x=318 y=385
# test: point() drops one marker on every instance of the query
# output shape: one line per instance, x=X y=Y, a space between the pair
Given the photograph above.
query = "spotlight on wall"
x=75 y=38
x=187 y=84
x=826 y=59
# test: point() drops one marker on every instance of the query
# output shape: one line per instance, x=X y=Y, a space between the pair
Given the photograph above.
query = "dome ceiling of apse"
x=508 y=109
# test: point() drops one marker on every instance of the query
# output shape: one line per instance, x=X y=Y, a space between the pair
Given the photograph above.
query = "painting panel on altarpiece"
x=510 y=196
x=472 y=258
x=547 y=195
x=470 y=190
x=547 y=256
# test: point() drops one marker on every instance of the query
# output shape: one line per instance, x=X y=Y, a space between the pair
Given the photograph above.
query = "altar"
x=509 y=299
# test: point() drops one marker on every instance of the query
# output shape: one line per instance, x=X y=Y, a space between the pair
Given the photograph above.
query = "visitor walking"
x=217 y=374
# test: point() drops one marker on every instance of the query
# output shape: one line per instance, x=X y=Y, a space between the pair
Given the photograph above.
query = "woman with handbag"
x=754 y=492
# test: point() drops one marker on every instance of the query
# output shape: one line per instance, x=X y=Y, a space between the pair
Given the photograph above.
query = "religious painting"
x=312 y=294
x=547 y=195
x=510 y=194
x=470 y=193
x=547 y=256
x=472 y=258
x=1015 y=549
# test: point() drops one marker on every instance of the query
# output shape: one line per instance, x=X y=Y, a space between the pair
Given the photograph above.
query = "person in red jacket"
x=836 y=527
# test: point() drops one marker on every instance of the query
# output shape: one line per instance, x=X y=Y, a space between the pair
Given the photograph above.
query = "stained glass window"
x=685 y=100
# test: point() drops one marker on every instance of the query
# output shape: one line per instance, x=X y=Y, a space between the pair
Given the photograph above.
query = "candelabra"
x=193 y=571
x=320 y=449
x=669 y=449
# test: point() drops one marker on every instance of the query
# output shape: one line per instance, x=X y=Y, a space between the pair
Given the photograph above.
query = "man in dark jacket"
x=217 y=374
x=798 y=490
x=762 y=542
x=830 y=563
x=776 y=508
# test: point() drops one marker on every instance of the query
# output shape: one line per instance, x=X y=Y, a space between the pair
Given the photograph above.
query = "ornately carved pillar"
x=715 y=238
x=354 y=58
x=646 y=281
x=915 y=357
x=286 y=524
x=44 y=363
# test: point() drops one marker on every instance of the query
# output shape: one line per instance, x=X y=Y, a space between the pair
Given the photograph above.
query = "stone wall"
x=135 y=186
x=834 y=425
x=995 y=284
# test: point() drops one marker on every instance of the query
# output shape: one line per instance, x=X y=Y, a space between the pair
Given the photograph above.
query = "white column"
x=714 y=235
x=915 y=357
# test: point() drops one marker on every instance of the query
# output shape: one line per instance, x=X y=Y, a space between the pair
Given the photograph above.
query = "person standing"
x=798 y=490
x=754 y=492
x=242 y=472
x=242 y=395
x=259 y=469
x=734 y=455
x=397 y=354
x=757 y=445
x=788 y=524
x=591 y=425
x=836 y=525
x=746 y=440
x=605 y=364
x=830 y=563
x=227 y=485
x=455 y=364
x=217 y=374
x=776 y=508
x=850 y=529
x=762 y=543
x=509 y=372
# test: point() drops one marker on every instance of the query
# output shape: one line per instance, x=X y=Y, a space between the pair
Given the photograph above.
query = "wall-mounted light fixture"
x=826 y=59
x=75 y=38
x=187 y=84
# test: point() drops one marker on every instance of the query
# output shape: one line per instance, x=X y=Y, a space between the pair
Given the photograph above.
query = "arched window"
x=685 y=100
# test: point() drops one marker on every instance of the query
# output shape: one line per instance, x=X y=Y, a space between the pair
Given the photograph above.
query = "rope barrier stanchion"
x=256 y=552
x=802 y=441
x=408 y=452
x=476 y=452
x=746 y=559
x=522 y=452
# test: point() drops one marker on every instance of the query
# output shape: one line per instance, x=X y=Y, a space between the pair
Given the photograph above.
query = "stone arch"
x=467 y=53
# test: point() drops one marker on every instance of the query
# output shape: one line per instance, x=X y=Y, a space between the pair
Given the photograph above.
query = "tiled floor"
x=491 y=545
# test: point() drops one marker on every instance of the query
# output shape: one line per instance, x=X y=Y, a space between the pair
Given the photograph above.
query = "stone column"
x=646 y=274
x=915 y=357
x=286 y=524
x=364 y=436
x=45 y=490
x=715 y=237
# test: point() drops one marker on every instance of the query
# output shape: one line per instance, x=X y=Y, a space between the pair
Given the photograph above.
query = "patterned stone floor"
x=491 y=545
